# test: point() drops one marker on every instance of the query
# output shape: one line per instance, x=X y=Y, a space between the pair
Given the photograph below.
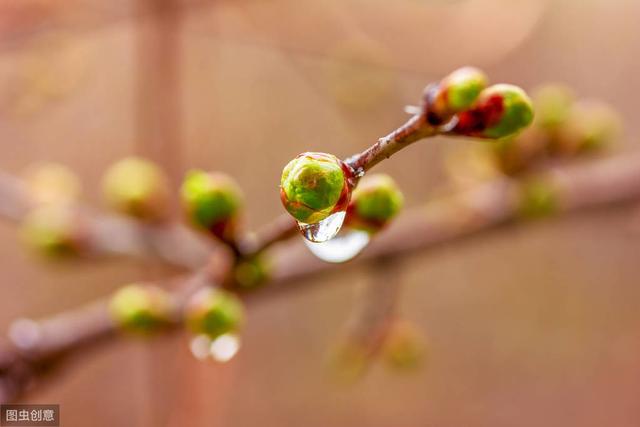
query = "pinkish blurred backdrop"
x=536 y=325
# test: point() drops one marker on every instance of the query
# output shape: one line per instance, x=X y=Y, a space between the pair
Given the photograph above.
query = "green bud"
x=538 y=199
x=52 y=183
x=553 y=105
x=403 y=348
x=500 y=111
x=459 y=90
x=212 y=201
x=141 y=308
x=253 y=272
x=54 y=230
x=348 y=362
x=375 y=201
x=137 y=187
x=591 y=127
x=314 y=186
x=214 y=312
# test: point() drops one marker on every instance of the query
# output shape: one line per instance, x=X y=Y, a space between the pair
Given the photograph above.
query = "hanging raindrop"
x=200 y=346
x=225 y=347
x=324 y=230
x=342 y=248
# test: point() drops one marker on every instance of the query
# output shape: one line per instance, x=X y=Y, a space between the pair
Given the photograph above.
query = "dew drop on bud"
x=225 y=347
x=200 y=346
x=323 y=230
x=341 y=248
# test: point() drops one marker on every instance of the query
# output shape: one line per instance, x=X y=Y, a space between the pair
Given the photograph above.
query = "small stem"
x=281 y=228
x=413 y=130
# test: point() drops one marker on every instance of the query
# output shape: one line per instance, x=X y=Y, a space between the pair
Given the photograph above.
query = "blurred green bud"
x=214 y=312
x=553 y=104
x=137 y=187
x=375 y=201
x=314 y=186
x=348 y=362
x=141 y=308
x=253 y=272
x=54 y=230
x=538 y=198
x=52 y=183
x=455 y=93
x=500 y=111
x=404 y=348
x=212 y=201
x=592 y=126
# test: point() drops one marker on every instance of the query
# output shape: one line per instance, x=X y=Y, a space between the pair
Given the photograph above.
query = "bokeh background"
x=526 y=326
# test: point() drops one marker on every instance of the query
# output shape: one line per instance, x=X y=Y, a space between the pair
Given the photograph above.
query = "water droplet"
x=200 y=347
x=225 y=347
x=323 y=230
x=341 y=248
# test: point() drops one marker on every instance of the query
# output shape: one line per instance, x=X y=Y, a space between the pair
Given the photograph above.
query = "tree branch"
x=115 y=235
x=39 y=348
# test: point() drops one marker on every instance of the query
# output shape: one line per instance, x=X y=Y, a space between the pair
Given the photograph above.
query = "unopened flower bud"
x=141 y=308
x=214 y=312
x=348 y=362
x=54 y=230
x=500 y=111
x=52 y=183
x=404 y=347
x=553 y=105
x=137 y=187
x=314 y=186
x=590 y=127
x=375 y=202
x=538 y=198
x=253 y=272
x=455 y=93
x=212 y=201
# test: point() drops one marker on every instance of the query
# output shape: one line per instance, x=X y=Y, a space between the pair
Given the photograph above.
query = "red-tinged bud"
x=500 y=111
x=314 y=186
x=212 y=201
x=455 y=93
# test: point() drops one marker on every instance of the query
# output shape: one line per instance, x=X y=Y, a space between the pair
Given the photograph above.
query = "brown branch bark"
x=461 y=215
x=108 y=235
x=446 y=220
x=38 y=350
x=413 y=130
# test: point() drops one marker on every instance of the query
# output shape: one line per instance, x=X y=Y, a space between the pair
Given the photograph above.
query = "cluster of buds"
x=54 y=227
x=212 y=202
x=374 y=203
x=214 y=312
x=564 y=128
x=141 y=308
x=137 y=187
x=315 y=186
x=473 y=109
